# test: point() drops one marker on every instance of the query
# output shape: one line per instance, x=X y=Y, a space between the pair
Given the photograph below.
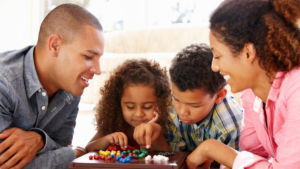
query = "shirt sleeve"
x=63 y=136
x=58 y=158
x=6 y=106
x=232 y=139
x=172 y=134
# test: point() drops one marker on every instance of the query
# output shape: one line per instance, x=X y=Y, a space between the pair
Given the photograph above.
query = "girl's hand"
x=146 y=133
x=118 y=138
x=155 y=118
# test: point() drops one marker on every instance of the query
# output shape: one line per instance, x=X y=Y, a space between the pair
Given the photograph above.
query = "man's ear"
x=54 y=44
x=220 y=95
x=250 y=52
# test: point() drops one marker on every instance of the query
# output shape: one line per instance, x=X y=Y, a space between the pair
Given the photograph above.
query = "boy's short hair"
x=191 y=69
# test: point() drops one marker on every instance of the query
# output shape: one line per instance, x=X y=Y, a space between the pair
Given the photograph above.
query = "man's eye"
x=87 y=57
x=148 y=107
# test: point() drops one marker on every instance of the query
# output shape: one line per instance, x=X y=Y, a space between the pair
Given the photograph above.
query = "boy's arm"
x=172 y=135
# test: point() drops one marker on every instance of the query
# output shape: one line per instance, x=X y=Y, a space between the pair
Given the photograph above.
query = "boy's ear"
x=220 y=95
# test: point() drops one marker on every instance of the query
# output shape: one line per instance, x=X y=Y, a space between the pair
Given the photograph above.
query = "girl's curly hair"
x=269 y=24
x=109 y=116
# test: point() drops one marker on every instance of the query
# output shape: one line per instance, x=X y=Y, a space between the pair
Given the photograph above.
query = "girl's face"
x=138 y=104
x=234 y=68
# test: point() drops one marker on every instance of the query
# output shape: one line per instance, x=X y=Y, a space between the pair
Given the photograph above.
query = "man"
x=40 y=88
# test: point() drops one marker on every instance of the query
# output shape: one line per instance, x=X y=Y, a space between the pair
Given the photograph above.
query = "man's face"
x=79 y=60
x=192 y=106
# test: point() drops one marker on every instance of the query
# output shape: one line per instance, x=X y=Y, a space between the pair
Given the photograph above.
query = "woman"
x=256 y=44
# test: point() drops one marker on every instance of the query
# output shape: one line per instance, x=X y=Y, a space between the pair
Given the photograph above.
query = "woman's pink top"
x=279 y=140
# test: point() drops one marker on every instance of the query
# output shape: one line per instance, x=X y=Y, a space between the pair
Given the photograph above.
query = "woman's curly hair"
x=269 y=24
x=109 y=117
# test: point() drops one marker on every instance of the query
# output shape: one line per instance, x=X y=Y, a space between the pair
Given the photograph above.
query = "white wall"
x=20 y=22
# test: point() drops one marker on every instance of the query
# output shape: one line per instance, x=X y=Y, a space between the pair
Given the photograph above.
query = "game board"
x=83 y=162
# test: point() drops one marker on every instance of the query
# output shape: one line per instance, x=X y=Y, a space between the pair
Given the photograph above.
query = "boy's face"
x=192 y=106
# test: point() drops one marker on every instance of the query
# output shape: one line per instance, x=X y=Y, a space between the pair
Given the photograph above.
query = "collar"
x=275 y=88
x=32 y=83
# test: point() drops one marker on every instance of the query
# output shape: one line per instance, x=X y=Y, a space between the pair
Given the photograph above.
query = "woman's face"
x=138 y=104
x=235 y=69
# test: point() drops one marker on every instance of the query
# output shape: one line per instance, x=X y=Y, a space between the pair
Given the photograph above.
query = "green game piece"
x=125 y=152
x=141 y=155
x=128 y=151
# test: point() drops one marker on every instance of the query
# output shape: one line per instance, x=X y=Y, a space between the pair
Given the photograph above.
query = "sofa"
x=158 y=43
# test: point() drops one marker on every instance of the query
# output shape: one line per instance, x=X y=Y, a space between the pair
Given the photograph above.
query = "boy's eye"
x=216 y=57
x=87 y=57
x=130 y=107
x=148 y=107
x=195 y=106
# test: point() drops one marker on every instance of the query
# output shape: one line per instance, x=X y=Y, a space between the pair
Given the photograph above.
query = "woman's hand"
x=118 y=138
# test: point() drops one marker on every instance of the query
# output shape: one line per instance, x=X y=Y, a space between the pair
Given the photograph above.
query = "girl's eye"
x=148 y=107
x=195 y=106
x=216 y=57
x=130 y=107
x=87 y=57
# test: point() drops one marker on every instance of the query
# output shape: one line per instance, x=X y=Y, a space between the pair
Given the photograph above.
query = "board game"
x=176 y=161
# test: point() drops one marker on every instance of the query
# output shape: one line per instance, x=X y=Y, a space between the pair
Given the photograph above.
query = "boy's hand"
x=118 y=138
x=196 y=158
x=146 y=133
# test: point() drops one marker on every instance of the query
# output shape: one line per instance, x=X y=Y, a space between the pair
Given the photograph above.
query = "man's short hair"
x=191 y=69
x=67 y=21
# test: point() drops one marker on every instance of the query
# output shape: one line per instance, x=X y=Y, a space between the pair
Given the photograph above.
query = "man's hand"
x=79 y=151
x=19 y=147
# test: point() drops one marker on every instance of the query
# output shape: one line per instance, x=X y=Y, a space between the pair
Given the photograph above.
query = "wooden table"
x=175 y=162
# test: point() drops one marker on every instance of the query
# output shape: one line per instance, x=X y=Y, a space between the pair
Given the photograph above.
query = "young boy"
x=202 y=110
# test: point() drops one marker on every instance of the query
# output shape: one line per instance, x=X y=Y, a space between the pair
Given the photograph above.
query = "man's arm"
x=6 y=119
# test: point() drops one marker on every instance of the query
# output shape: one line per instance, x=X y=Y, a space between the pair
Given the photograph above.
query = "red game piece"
x=96 y=157
x=109 y=157
x=130 y=154
x=102 y=157
x=133 y=155
x=91 y=157
x=122 y=155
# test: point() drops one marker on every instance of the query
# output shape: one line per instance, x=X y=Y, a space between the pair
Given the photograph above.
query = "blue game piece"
x=118 y=158
x=130 y=156
x=122 y=152
x=122 y=160
x=112 y=156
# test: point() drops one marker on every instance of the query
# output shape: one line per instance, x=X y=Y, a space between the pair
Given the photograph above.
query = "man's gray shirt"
x=24 y=104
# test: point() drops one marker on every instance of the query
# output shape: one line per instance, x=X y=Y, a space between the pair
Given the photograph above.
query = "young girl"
x=136 y=93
